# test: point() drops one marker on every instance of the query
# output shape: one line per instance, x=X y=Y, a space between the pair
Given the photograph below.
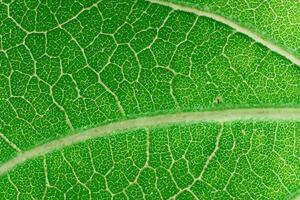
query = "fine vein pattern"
x=69 y=66
x=236 y=160
x=274 y=19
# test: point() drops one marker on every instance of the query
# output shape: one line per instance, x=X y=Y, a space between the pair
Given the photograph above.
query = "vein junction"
x=272 y=46
x=270 y=114
x=81 y=72
x=92 y=69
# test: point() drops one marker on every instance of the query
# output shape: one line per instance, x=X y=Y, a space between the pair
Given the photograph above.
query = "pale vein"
x=256 y=37
x=257 y=114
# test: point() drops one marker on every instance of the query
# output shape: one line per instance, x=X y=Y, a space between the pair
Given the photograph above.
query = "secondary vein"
x=257 y=114
x=256 y=37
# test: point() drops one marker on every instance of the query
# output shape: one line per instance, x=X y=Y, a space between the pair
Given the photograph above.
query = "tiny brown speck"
x=218 y=100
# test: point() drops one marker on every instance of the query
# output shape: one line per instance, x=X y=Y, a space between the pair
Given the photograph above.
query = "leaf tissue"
x=149 y=99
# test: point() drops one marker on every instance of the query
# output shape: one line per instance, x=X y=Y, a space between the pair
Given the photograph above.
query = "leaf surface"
x=135 y=100
x=274 y=20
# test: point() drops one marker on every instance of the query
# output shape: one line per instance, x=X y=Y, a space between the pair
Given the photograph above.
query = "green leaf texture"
x=276 y=20
x=131 y=99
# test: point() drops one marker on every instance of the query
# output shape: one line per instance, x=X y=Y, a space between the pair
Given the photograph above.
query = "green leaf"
x=131 y=99
x=275 y=21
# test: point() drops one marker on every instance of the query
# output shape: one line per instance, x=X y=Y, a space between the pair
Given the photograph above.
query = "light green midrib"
x=272 y=46
x=249 y=114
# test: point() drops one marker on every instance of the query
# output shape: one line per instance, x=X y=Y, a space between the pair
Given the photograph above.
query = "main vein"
x=257 y=114
x=256 y=37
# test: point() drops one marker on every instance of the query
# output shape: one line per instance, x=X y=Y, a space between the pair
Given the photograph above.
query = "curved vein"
x=256 y=37
x=258 y=114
